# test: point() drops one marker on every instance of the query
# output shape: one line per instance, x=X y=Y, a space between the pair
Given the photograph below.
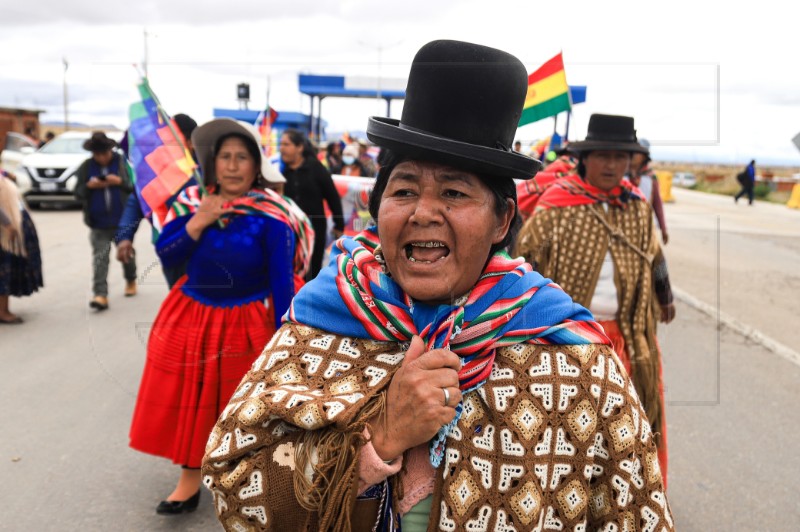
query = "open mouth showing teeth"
x=426 y=252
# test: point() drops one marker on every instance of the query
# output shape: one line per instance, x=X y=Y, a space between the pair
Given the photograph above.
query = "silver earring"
x=378 y=253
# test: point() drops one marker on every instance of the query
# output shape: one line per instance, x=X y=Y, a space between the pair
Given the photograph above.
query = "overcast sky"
x=702 y=85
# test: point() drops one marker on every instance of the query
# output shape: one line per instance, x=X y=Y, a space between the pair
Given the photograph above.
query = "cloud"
x=198 y=51
x=91 y=102
x=30 y=94
x=90 y=13
x=201 y=12
x=783 y=98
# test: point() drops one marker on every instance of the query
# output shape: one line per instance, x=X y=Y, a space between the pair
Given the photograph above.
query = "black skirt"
x=22 y=276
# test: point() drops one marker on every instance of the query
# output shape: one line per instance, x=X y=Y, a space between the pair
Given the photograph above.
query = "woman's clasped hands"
x=211 y=209
x=421 y=399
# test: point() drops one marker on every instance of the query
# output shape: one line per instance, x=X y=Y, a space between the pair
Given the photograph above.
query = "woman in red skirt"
x=238 y=244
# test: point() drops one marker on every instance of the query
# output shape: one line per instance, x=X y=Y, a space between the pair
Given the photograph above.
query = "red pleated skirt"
x=196 y=356
x=615 y=335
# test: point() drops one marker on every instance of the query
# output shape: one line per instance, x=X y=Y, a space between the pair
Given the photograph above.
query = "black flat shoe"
x=178 y=507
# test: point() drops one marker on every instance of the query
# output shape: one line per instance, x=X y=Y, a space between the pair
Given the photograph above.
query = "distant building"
x=25 y=121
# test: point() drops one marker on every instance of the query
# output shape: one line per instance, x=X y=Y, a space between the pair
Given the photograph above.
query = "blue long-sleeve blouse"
x=132 y=216
x=249 y=259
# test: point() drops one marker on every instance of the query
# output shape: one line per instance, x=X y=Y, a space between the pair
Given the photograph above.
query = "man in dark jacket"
x=747 y=179
x=103 y=187
x=308 y=183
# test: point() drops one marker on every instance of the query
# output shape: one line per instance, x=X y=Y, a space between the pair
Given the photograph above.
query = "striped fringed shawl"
x=572 y=190
x=257 y=202
x=510 y=304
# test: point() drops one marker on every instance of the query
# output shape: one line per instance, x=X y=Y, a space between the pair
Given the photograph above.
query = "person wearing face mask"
x=351 y=165
x=366 y=160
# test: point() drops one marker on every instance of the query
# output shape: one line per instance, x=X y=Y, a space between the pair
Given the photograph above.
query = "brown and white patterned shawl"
x=569 y=244
x=555 y=440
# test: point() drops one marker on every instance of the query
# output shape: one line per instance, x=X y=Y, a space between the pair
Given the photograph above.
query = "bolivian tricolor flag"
x=548 y=92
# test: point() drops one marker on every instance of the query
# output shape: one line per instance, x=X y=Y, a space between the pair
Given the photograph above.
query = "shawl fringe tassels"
x=332 y=455
x=10 y=204
x=645 y=367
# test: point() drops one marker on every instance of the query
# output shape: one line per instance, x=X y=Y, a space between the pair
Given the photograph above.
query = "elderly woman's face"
x=437 y=225
x=234 y=167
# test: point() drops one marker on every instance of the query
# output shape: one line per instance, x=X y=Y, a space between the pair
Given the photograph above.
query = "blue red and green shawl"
x=260 y=203
x=510 y=304
x=572 y=190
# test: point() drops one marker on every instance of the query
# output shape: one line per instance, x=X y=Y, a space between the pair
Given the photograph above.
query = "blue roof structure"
x=321 y=87
x=324 y=86
x=285 y=120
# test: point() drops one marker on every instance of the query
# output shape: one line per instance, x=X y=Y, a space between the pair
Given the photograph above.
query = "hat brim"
x=205 y=137
x=99 y=146
x=389 y=134
x=598 y=145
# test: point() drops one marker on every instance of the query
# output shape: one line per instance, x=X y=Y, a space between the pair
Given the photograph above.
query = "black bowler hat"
x=609 y=132
x=463 y=104
x=99 y=143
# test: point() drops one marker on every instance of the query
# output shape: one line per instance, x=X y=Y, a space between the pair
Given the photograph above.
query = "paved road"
x=732 y=405
x=747 y=259
x=70 y=377
x=68 y=386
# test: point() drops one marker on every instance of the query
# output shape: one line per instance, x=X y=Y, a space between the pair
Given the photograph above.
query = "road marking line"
x=729 y=321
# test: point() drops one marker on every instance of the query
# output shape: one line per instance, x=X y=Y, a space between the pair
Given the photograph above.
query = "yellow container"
x=794 y=200
x=665 y=185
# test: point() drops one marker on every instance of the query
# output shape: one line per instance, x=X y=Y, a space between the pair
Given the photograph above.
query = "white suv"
x=17 y=146
x=684 y=179
x=48 y=175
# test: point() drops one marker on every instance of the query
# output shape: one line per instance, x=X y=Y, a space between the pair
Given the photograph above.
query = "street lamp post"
x=145 y=60
x=380 y=47
x=66 y=99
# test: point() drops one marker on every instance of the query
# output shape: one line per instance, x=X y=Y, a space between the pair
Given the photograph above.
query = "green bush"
x=762 y=190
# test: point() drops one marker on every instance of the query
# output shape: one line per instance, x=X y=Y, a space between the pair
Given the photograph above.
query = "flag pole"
x=569 y=95
x=268 y=112
x=66 y=99
x=268 y=87
x=566 y=133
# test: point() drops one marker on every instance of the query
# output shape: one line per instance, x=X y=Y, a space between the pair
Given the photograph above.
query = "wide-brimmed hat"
x=99 y=142
x=205 y=137
x=463 y=104
x=609 y=132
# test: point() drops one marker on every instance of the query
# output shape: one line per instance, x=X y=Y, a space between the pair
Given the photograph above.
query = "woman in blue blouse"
x=239 y=247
